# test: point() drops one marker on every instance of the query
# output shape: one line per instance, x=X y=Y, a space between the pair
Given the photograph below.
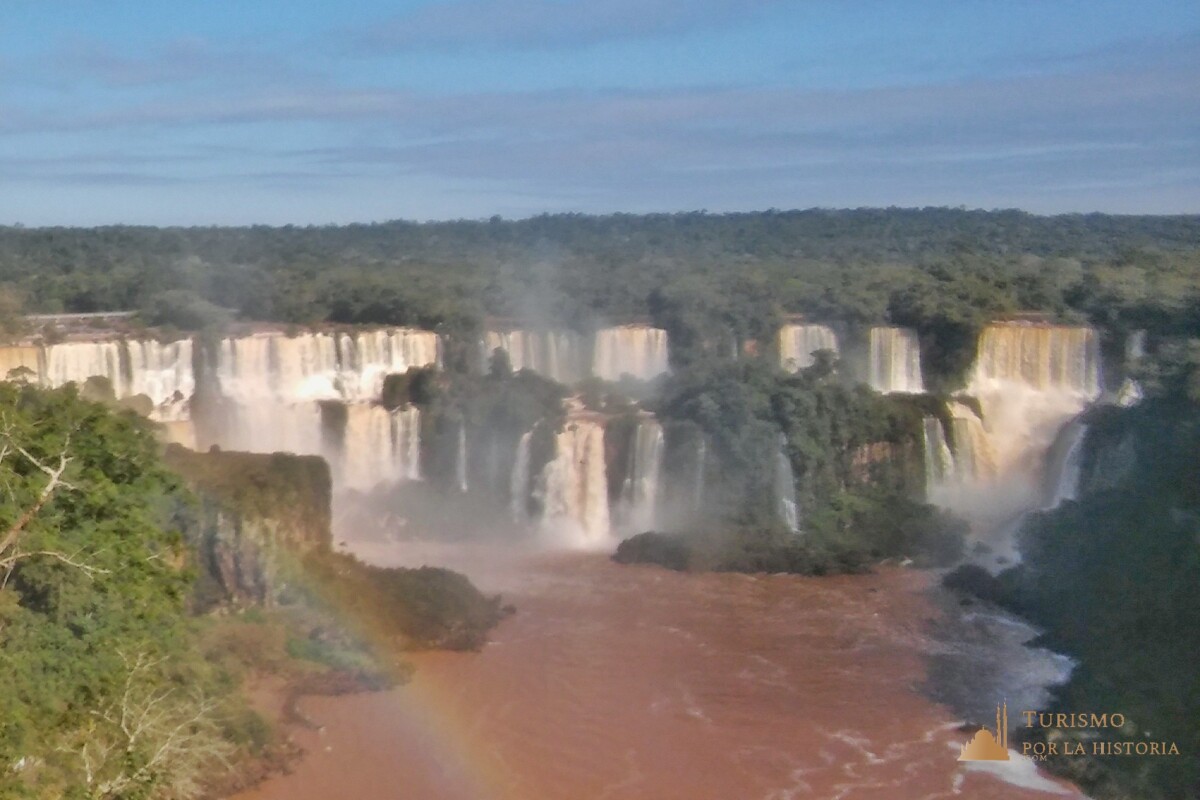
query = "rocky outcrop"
x=254 y=515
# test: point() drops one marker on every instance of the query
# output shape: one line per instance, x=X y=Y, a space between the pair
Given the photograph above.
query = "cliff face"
x=256 y=513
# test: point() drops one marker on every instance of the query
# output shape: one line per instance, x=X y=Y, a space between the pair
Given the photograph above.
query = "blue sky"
x=225 y=112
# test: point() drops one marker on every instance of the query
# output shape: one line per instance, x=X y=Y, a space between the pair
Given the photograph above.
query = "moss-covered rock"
x=253 y=514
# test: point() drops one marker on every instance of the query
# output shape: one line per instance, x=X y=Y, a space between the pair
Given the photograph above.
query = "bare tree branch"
x=55 y=481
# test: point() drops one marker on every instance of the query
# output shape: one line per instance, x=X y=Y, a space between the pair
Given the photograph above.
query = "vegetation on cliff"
x=1114 y=580
x=106 y=693
x=767 y=550
x=856 y=456
x=114 y=688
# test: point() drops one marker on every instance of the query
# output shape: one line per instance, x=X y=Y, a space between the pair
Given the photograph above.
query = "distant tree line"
x=709 y=279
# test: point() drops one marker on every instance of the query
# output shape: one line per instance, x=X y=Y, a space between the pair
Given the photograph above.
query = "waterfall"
x=271 y=386
x=519 y=482
x=1064 y=465
x=639 y=492
x=161 y=372
x=1135 y=347
x=1030 y=380
x=701 y=467
x=75 y=362
x=636 y=350
x=939 y=461
x=1045 y=358
x=558 y=355
x=974 y=460
x=797 y=343
x=376 y=446
x=21 y=360
x=460 y=459
x=573 y=486
x=320 y=366
x=785 y=488
x=895 y=361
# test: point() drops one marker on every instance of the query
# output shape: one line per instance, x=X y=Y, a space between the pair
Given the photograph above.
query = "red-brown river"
x=634 y=683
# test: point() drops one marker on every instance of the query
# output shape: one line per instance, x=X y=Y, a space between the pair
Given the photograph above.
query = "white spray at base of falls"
x=797 y=343
x=785 y=488
x=640 y=489
x=636 y=350
x=573 y=487
x=895 y=361
x=555 y=354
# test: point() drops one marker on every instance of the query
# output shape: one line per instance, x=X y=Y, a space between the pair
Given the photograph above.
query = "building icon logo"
x=985 y=746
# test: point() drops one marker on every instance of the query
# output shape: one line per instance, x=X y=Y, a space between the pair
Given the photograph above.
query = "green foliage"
x=500 y=405
x=744 y=550
x=405 y=608
x=93 y=606
x=856 y=455
x=184 y=310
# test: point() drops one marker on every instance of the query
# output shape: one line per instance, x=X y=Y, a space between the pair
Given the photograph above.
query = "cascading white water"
x=639 y=491
x=939 y=461
x=785 y=488
x=160 y=371
x=573 y=487
x=520 y=480
x=320 y=366
x=895 y=361
x=75 y=362
x=377 y=446
x=1065 y=465
x=22 y=362
x=558 y=355
x=271 y=386
x=974 y=461
x=636 y=350
x=460 y=459
x=1029 y=380
x=797 y=343
x=1046 y=358
x=701 y=469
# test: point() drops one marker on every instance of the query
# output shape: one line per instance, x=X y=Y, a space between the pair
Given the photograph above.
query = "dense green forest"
x=706 y=278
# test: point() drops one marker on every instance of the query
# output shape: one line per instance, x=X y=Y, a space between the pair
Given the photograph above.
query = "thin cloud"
x=177 y=61
x=536 y=24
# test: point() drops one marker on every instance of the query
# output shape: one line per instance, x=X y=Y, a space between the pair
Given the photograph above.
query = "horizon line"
x=499 y=218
